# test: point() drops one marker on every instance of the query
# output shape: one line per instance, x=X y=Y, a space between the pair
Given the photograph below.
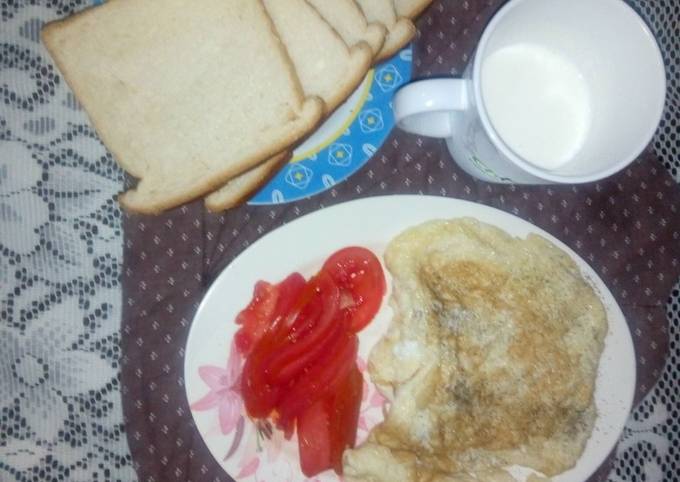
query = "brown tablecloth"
x=625 y=227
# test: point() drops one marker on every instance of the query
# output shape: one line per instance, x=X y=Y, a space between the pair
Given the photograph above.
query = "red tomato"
x=322 y=378
x=286 y=365
x=315 y=307
x=254 y=317
x=290 y=290
x=311 y=314
x=358 y=273
x=329 y=426
x=269 y=302
x=259 y=396
x=288 y=429
x=300 y=343
x=311 y=333
x=344 y=416
x=314 y=439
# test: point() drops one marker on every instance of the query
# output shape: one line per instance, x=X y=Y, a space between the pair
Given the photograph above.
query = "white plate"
x=303 y=245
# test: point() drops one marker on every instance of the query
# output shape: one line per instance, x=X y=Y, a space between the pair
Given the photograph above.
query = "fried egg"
x=490 y=360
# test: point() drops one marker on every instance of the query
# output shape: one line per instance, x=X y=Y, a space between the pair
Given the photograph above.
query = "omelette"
x=490 y=360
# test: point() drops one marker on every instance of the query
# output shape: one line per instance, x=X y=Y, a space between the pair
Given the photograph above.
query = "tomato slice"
x=344 y=416
x=254 y=317
x=361 y=279
x=329 y=426
x=259 y=396
x=300 y=343
x=288 y=429
x=288 y=364
x=315 y=307
x=290 y=290
x=268 y=303
x=314 y=439
x=311 y=333
x=322 y=378
x=310 y=315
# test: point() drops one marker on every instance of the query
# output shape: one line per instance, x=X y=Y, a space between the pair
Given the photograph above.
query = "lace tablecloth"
x=61 y=267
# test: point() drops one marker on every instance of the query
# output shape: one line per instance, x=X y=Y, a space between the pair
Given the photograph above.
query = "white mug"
x=559 y=91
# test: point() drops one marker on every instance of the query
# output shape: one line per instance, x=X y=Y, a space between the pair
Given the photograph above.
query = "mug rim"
x=532 y=169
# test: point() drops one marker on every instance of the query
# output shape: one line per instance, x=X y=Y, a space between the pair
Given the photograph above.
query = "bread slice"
x=410 y=8
x=238 y=189
x=186 y=95
x=349 y=21
x=400 y=31
x=326 y=66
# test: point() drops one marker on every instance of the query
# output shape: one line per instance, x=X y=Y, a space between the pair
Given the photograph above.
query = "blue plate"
x=346 y=141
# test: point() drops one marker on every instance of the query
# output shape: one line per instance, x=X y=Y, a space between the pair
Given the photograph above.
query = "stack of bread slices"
x=208 y=98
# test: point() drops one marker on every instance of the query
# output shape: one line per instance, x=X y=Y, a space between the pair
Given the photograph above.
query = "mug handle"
x=424 y=107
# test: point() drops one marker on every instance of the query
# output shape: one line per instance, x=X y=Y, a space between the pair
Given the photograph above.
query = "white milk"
x=538 y=102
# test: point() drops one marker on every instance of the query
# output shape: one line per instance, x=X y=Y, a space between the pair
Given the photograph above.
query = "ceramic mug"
x=559 y=91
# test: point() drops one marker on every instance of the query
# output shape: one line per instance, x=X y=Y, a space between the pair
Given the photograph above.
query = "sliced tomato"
x=311 y=313
x=329 y=426
x=288 y=365
x=300 y=343
x=269 y=302
x=259 y=396
x=288 y=429
x=344 y=416
x=256 y=316
x=290 y=290
x=361 y=279
x=321 y=379
x=314 y=439
x=312 y=332
x=316 y=305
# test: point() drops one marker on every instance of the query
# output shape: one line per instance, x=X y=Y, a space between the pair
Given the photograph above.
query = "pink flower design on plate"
x=378 y=400
x=361 y=364
x=250 y=468
x=224 y=384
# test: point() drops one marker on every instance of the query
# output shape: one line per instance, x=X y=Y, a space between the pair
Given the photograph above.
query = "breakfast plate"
x=346 y=141
x=249 y=451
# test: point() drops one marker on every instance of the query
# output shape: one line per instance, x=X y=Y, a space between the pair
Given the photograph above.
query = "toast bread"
x=168 y=94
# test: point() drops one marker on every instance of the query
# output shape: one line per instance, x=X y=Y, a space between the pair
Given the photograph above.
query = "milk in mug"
x=538 y=103
x=551 y=95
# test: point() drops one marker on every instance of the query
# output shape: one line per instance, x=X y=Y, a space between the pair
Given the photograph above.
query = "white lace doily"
x=60 y=258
